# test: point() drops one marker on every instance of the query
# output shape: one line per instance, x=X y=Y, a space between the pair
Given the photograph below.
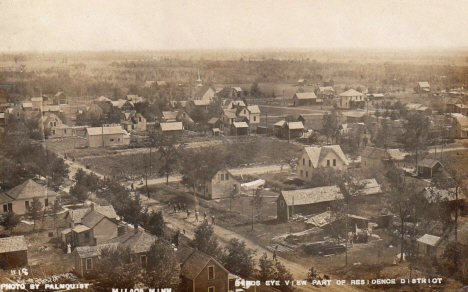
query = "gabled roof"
x=305 y=95
x=80 y=228
x=230 y=113
x=78 y=214
x=351 y=93
x=91 y=219
x=37 y=99
x=58 y=94
x=195 y=263
x=312 y=196
x=237 y=88
x=326 y=88
x=27 y=104
x=201 y=102
x=27 y=190
x=295 y=125
x=175 y=126
x=429 y=163
x=95 y=131
x=253 y=109
x=317 y=154
x=213 y=120
x=201 y=90
x=428 y=239
x=138 y=242
x=371 y=187
x=461 y=119
x=424 y=84
x=13 y=244
x=169 y=115
x=375 y=153
x=102 y=98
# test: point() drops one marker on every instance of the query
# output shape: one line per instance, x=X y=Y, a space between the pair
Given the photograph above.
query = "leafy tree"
x=163 y=268
x=80 y=192
x=117 y=267
x=384 y=135
x=205 y=240
x=238 y=259
x=34 y=211
x=283 y=275
x=255 y=89
x=415 y=133
x=10 y=221
x=266 y=268
x=169 y=150
x=155 y=224
x=330 y=125
x=54 y=210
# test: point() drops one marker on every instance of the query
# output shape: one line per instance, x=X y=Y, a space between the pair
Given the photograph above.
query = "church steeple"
x=199 y=81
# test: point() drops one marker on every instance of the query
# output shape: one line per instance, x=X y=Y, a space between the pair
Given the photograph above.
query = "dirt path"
x=178 y=221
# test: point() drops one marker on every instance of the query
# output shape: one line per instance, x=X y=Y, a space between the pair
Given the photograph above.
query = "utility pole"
x=266 y=124
x=253 y=198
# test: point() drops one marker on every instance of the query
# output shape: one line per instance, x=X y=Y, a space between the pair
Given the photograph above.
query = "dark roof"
x=137 y=242
x=429 y=163
x=375 y=153
x=78 y=214
x=91 y=219
x=195 y=263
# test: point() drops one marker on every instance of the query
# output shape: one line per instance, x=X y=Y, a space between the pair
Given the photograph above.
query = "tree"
x=266 y=268
x=238 y=259
x=403 y=201
x=283 y=275
x=350 y=187
x=117 y=267
x=415 y=130
x=205 y=240
x=384 y=135
x=330 y=125
x=34 y=211
x=10 y=221
x=155 y=224
x=80 y=192
x=163 y=268
x=54 y=210
x=255 y=89
x=169 y=150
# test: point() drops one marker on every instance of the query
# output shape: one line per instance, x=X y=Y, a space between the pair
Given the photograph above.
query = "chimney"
x=73 y=223
x=92 y=206
x=136 y=229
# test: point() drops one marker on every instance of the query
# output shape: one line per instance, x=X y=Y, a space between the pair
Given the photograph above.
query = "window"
x=118 y=139
x=328 y=162
x=139 y=119
x=64 y=131
x=255 y=118
x=26 y=204
x=334 y=162
x=281 y=203
x=226 y=176
x=112 y=140
x=143 y=260
x=89 y=264
x=46 y=202
x=310 y=163
x=301 y=173
x=5 y=208
x=303 y=161
x=211 y=289
x=245 y=112
x=53 y=132
x=86 y=236
x=222 y=176
x=211 y=273
x=365 y=163
x=307 y=173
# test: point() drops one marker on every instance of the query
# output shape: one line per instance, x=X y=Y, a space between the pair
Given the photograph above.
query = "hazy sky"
x=238 y=24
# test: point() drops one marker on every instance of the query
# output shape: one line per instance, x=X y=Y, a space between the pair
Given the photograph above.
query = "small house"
x=19 y=198
x=306 y=201
x=314 y=157
x=288 y=130
x=459 y=126
x=60 y=98
x=300 y=82
x=218 y=185
x=171 y=128
x=351 y=99
x=427 y=168
x=305 y=98
x=13 y=252
x=239 y=129
x=204 y=92
x=106 y=136
x=431 y=246
x=423 y=87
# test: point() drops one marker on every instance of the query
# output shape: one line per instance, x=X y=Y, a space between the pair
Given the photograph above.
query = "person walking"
x=184 y=207
x=204 y=216
x=274 y=253
x=133 y=189
x=188 y=214
x=175 y=209
x=196 y=216
x=213 y=220
x=178 y=206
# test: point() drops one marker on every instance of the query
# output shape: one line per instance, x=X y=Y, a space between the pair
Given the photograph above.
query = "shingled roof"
x=305 y=95
x=91 y=219
x=312 y=196
x=195 y=263
x=317 y=154
x=93 y=251
x=13 y=244
x=351 y=93
x=110 y=130
x=78 y=214
x=429 y=163
x=27 y=190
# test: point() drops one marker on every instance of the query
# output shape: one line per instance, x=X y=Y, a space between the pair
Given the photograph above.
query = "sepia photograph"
x=233 y=145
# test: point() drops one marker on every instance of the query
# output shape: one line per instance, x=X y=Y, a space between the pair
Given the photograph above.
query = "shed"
x=430 y=245
x=427 y=168
x=13 y=252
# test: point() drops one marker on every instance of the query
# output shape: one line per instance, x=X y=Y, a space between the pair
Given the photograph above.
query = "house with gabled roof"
x=218 y=184
x=106 y=136
x=423 y=87
x=200 y=272
x=252 y=113
x=459 y=126
x=20 y=197
x=325 y=92
x=314 y=157
x=55 y=126
x=94 y=229
x=13 y=252
x=306 y=201
x=86 y=257
x=75 y=215
x=427 y=167
x=379 y=159
x=351 y=99
x=171 y=128
x=60 y=98
x=204 y=92
x=123 y=105
x=305 y=98
x=288 y=130
x=133 y=121
x=431 y=246
x=228 y=117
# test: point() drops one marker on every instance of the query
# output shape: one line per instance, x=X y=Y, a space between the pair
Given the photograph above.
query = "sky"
x=51 y=25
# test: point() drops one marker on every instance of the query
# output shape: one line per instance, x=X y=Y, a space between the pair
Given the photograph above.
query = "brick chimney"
x=136 y=228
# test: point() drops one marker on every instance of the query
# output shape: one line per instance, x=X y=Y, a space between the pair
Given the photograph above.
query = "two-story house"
x=252 y=113
x=218 y=185
x=133 y=121
x=351 y=99
x=314 y=157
